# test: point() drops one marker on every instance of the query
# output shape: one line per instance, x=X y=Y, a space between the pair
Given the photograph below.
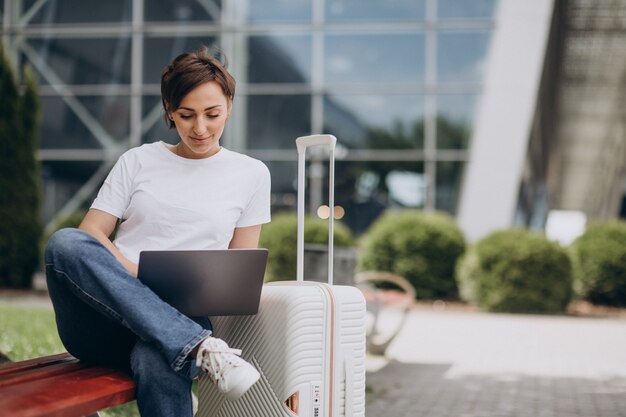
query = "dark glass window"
x=461 y=56
x=449 y=174
x=375 y=10
x=284 y=184
x=61 y=180
x=85 y=61
x=275 y=10
x=466 y=9
x=374 y=58
x=455 y=120
x=153 y=124
x=390 y=121
x=158 y=52
x=366 y=188
x=276 y=121
x=283 y=58
x=78 y=11
x=111 y=112
x=62 y=129
x=182 y=10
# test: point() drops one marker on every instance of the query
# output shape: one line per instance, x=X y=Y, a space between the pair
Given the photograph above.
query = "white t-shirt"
x=169 y=202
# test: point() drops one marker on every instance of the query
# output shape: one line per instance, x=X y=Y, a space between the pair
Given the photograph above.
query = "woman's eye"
x=185 y=116
x=213 y=116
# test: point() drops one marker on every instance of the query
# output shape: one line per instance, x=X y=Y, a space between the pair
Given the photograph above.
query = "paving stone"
x=447 y=364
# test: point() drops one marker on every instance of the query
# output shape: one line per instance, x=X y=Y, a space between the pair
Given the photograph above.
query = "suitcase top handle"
x=302 y=143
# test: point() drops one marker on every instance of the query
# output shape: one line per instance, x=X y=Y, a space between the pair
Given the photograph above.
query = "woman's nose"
x=198 y=129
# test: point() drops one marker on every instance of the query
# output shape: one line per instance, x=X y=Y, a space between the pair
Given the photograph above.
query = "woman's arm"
x=245 y=237
x=100 y=225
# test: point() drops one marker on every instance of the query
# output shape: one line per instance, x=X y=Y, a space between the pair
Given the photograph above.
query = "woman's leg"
x=161 y=392
x=79 y=263
x=88 y=334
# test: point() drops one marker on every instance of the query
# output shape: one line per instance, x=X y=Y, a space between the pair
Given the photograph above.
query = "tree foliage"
x=20 y=196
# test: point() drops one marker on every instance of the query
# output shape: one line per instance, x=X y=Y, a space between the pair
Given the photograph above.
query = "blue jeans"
x=108 y=317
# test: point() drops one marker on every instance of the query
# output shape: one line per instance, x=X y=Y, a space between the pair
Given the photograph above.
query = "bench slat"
x=41 y=373
x=35 y=363
x=69 y=389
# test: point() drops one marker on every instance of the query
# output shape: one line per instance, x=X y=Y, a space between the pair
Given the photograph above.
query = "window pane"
x=461 y=56
x=158 y=52
x=182 y=10
x=111 y=112
x=276 y=121
x=464 y=9
x=279 y=59
x=374 y=59
x=79 y=11
x=375 y=10
x=455 y=120
x=275 y=10
x=448 y=186
x=62 y=129
x=86 y=61
x=366 y=189
x=61 y=180
x=155 y=127
x=376 y=121
x=284 y=183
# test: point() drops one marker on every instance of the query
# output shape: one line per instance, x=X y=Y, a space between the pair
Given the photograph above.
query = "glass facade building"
x=398 y=82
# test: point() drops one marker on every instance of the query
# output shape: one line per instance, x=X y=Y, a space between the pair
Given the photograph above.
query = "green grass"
x=27 y=333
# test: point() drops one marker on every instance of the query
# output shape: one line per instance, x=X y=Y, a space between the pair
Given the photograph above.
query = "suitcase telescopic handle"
x=302 y=143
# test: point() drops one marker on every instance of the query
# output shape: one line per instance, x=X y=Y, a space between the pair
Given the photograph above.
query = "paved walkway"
x=467 y=364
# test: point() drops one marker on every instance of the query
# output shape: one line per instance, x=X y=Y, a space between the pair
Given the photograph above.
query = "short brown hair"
x=189 y=70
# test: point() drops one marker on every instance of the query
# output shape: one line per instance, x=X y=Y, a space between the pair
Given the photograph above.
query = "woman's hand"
x=100 y=225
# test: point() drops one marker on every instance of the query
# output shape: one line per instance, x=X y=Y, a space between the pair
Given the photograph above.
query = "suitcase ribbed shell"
x=306 y=335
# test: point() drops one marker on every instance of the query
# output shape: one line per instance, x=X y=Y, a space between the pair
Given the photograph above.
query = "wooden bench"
x=61 y=386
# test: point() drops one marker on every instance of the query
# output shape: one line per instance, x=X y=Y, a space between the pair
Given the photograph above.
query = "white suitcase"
x=307 y=340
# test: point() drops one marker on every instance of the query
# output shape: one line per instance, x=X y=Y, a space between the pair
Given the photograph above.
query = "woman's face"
x=200 y=121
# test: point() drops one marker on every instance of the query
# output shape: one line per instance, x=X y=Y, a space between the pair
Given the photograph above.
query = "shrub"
x=516 y=271
x=421 y=247
x=599 y=257
x=20 y=197
x=281 y=236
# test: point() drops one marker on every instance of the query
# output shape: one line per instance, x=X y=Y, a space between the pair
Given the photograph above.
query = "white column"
x=503 y=123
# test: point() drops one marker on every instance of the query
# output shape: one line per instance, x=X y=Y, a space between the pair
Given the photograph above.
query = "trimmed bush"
x=516 y=271
x=20 y=196
x=599 y=257
x=281 y=236
x=421 y=247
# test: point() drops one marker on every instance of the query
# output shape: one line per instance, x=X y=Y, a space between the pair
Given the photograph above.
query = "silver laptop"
x=206 y=282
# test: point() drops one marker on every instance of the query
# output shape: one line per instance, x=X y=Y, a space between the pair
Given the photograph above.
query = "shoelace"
x=216 y=353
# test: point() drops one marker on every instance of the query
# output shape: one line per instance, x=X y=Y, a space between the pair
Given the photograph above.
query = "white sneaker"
x=233 y=375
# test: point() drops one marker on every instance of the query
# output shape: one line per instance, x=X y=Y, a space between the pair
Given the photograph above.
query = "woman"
x=192 y=195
